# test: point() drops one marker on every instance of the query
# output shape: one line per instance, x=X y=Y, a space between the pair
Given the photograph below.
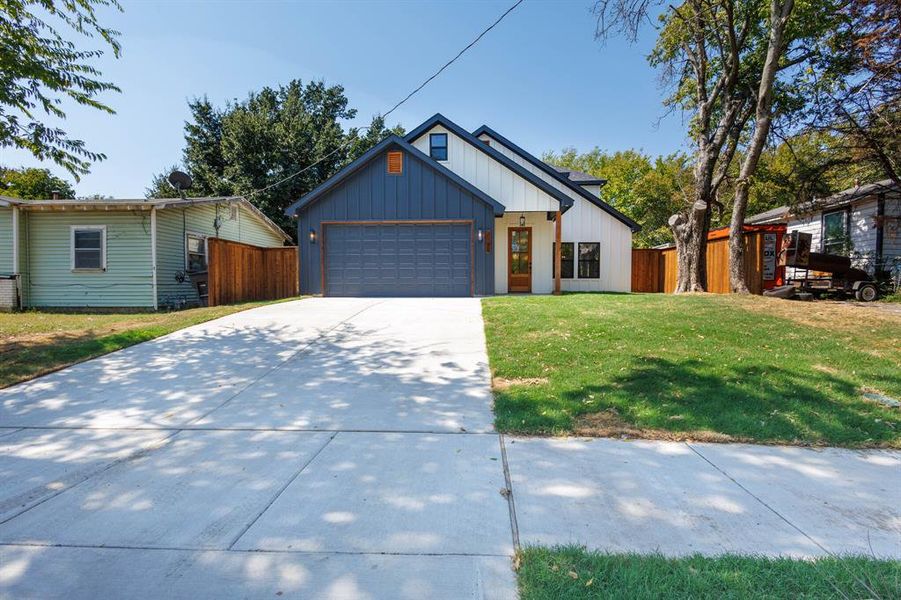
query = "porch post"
x=557 y=252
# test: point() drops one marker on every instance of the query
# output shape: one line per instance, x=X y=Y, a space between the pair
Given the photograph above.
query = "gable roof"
x=578 y=176
x=391 y=141
x=140 y=204
x=774 y=215
x=556 y=174
x=438 y=119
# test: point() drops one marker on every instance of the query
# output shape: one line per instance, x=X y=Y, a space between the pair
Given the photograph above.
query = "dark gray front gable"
x=411 y=234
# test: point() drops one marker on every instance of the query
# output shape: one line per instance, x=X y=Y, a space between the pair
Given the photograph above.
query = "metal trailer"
x=824 y=273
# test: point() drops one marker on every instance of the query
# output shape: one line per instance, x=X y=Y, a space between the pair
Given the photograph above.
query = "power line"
x=399 y=104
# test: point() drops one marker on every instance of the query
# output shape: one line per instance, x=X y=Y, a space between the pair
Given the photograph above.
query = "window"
x=195 y=252
x=835 y=232
x=438 y=146
x=395 y=163
x=567 y=260
x=89 y=247
x=589 y=260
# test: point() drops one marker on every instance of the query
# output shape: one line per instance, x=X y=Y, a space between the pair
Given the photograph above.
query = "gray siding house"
x=863 y=222
x=446 y=212
x=117 y=253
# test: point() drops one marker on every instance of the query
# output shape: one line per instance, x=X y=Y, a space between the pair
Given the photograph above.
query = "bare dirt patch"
x=500 y=383
x=608 y=423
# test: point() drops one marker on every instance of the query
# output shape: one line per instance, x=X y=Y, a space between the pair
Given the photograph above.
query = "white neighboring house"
x=863 y=222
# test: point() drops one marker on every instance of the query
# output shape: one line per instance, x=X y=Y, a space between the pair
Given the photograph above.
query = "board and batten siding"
x=542 y=258
x=50 y=280
x=583 y=222
x=6 y=241
x=490 y=176
x=371 y=194
x=174 y=223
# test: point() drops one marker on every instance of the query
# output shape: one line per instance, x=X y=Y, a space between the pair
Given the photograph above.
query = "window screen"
x=87 y=248
x=196 y=252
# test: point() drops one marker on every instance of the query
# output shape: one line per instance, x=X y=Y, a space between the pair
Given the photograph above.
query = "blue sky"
x=539 y=78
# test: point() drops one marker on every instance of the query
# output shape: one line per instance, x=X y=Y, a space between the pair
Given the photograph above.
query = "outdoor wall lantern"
x=480 y=234
x=312 y=236
x=522 y=220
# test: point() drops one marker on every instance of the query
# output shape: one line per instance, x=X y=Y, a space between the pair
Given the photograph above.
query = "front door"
x=519 y=259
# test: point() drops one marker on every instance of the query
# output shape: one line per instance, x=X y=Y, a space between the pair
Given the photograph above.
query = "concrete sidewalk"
x=680 y=498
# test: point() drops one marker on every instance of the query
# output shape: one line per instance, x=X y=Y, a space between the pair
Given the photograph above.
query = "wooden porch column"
x=557 y=252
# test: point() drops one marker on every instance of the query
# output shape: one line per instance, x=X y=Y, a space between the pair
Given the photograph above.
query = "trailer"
x=822 y=274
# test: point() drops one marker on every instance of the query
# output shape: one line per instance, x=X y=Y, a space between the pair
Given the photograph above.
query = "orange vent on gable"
x=395 y=163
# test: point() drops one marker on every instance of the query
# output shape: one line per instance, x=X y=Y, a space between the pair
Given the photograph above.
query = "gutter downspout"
x=880 y=229
x=16 y=254
x=153 y=255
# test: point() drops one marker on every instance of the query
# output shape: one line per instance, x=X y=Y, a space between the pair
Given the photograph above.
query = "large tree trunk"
x=780 y=10
x=690 y=231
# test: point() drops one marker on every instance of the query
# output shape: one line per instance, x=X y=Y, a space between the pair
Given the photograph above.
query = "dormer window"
x=438 y=146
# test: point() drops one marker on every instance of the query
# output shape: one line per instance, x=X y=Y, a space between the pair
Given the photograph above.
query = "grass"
x=573 y=573
x=703 y=367
x=33 y=343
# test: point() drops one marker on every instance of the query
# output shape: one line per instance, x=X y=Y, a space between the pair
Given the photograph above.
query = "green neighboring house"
x=117 y=253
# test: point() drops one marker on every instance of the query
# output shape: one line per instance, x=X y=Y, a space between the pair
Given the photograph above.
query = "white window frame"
x=206 y=248
x=72 y=230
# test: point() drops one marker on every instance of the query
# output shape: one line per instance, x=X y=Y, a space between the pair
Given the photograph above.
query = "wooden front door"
x=519 y=259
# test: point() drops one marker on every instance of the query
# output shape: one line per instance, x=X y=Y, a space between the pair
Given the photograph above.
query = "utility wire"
x=396 y=106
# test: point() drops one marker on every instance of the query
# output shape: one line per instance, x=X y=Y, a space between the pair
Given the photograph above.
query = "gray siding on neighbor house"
x=174 y=223
x=370 y=194
x=6 y=241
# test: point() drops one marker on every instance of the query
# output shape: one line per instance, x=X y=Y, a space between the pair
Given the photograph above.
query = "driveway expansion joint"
x=281 y=491
x=760 y=500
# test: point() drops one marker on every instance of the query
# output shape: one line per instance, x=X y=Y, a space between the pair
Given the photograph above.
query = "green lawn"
x=573 y=573
x=33 y=343
x=719 y=368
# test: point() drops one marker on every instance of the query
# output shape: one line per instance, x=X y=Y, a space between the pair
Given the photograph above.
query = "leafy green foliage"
x=702 y=366
x=573 y=573
x=39 y=68
x=646 y=190
x=33 y=184
x=260 y=143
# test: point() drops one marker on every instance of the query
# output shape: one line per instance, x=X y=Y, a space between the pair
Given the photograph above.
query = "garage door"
x=407 y=259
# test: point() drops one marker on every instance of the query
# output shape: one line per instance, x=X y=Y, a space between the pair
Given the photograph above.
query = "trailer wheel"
x=866 y=293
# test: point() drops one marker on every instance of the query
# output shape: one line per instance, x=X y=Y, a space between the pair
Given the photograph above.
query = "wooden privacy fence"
x=241 y=272
x=654 y=270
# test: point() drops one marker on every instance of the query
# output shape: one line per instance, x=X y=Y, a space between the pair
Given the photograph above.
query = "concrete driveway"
x=343 y=448
x=334 y=448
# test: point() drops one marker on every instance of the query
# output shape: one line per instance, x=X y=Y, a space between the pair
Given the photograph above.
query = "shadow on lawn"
x=752 y=403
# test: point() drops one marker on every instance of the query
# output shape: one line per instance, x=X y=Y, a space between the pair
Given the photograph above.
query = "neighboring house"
x=863 y=222
x=446 y=212
x=118 y=253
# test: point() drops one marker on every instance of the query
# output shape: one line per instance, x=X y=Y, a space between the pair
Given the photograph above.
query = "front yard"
x=703 y=367
x=561 y=573
x=33 y=343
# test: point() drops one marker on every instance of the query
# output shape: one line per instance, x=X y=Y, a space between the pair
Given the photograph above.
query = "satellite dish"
x=180 y=181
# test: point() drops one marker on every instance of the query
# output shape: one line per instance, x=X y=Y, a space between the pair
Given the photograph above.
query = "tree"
x=39 y=68
x=647 y=191
x=732 y=65
x=33 y=184
x=856 y=85
x=272 y=147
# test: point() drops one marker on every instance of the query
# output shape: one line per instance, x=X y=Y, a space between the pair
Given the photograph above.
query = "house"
x=863 y=222
x=117 y=253
x=448 y=212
